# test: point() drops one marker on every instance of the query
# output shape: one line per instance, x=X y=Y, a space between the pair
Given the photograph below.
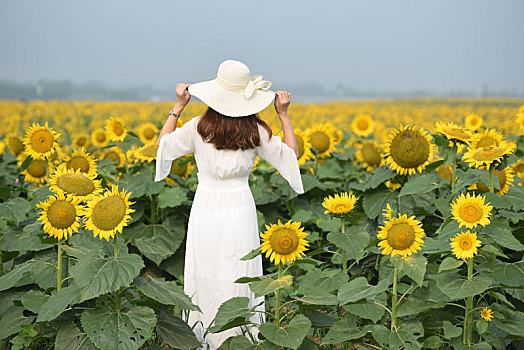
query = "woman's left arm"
x=182 y=99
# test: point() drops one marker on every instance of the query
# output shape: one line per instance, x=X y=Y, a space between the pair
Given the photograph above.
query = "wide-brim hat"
x=234 y=92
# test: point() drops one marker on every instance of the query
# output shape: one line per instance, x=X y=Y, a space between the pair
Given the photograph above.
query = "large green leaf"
x=232 y=313
x=359 y=288
x=458 y=287
x=30 y=237
x=366 y=310
x=316 y=277
x=509 y=274
x=143 y=184
x=317 y=296
x=352 y=242
x=158 y=242
x=165 y=292
x=12 y=320
x=269 y=285
x=97 y=275
x=419 y=184
x=344 y=330
x=291 y=335
x=119 y=330
x=33 y=300
x=15 y=209
x=170 y=197
x=504 y=237
x=329 y=224
x=69 y=337
x=375 y=201
x=422 y=299
x=12 y=277
x=414 y=267
x=451 y=331
x=175 y=332
x=450 y=263
x=56 y=303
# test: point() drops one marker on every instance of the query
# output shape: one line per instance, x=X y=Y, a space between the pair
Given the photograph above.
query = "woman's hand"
x=182 y=99
x=282 y=101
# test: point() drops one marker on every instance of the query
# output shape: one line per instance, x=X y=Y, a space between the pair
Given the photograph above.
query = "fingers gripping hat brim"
x=231 y=103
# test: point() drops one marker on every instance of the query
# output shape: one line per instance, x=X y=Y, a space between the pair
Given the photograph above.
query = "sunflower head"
x=471 y=210
x=15 y=144
x=81 y=160
x=486 y=138
x=486 y=314
x=147 y=153
x=184 y=171
x=147 y=133
x=107 y=214
x=116 y=155
x=362 y=125
x=464 y=245
x=486 y=156
x=304 y=146
x=81 y=141
x=340 y=203
x=473 y=121
x=74 y=182
x=322 y=138
x=99 y=138
x=369 y=155
x=520 y=121
x=284 y=243
x=408 y=150
x=454 y=132
x=60 y=215
x=40 y=141
x=37 y=170
x=400 y=235
x=115 y=129
x=518 y=168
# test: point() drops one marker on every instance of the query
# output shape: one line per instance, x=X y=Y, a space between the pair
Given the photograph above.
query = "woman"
x=222 y=225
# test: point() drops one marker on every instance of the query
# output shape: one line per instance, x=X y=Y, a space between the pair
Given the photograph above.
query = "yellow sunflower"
x=81 y=140
x=454 y=132
x=369 y=155
x=505 y=180
x=400 y=235
x=74 y=182
x=107 y=214
x=15 y=144
x=147 y=133
x=473 y=121
x=486 y=314
x=486 y=138
x=339 y=204
x=147 y=153
x=408 y=150
x=284 y=243
x=99 y=138
x=304 y=146
x=36 y=171
x=40 y=141
x=182 y=171
x=362 y=125
x=485 y=156
x=80 y=160
x=60 y=215
x=322 y=138
x=518 y=169
x=115 y=129
x=117 y=156
x=520 y=121
x=470 y=210
x=465 y=244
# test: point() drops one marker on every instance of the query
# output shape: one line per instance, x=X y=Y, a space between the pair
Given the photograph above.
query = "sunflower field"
x=410 y=233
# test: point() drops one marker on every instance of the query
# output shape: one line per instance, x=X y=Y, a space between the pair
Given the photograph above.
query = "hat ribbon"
x=256 y=83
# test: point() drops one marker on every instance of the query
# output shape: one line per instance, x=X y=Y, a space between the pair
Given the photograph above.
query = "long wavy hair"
x=231 y=132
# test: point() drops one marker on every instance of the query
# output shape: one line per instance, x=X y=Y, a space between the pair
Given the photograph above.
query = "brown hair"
x=231 y=132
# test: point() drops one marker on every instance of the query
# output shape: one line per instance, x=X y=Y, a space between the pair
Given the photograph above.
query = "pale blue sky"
x=385 y=45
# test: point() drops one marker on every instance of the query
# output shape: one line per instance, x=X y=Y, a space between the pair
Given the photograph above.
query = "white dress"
x=222 y=225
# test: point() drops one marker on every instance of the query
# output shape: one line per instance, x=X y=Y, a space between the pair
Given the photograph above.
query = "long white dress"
x=222 y=225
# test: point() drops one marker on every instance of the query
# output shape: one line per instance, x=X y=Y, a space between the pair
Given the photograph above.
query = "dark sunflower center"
x=401 y=236
x=487 y=142
x=37 y=168
x=76 y=184
x=300 y=144
x=457 y=133
x=108 y=213
x=61 y=214
x=362 y=124
x=470 y=213
x=370 y=154
x=150 y=151
x=42 y=141
x=101 y=137
x=320 y=141
x=488 y=154
x=78 y=162
x=465 y=244
x=118 y=129
x=284 y=241
x=149 y=134
x=81 y=141
x=115 y=157
x=409 y=149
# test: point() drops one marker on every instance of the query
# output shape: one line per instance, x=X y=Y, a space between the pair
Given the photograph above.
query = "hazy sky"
x=385 y=45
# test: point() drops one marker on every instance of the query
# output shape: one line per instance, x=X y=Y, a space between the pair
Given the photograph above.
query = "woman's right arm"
x=282 y=101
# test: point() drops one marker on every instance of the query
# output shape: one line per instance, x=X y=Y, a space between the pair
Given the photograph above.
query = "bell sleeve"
x=282 y=157
x=172 y=146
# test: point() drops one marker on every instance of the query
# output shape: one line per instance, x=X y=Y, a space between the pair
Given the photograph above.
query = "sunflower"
x=284 y=242
x=147 y=133
x=80 y=160
x=369 y=155
x=470 y=210
x=486 y=138
x=2 y=147
x=464 y=245
x=362 y=125
x=400 y=235
x=107 y=214
x=393 y=184
x=182 y=171
x=147 y=153
x=453 y=132
x=116 y=155
x=99 y=138
x=518 y=169
x=15 y=144
x=485 y=156
x=81 y=140
x=36 y=171
x=322 y=138
x=473 y=121
x=486 y=314
x=40 y=141
x=304 y=146
x=60 y=215
x=74 y=182
x=408 y=150
x=131 y=156
x=520 y=121
x=340 y=204
x=505 y=177
x=115 y=129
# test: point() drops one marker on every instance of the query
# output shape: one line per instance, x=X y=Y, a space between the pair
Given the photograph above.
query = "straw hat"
x=234 y=92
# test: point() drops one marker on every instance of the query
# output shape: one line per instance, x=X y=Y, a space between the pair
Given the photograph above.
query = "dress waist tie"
x=227 y=184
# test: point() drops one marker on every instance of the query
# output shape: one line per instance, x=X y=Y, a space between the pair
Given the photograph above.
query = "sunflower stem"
x=115 y=241
x=59 y=267
x=277 y=296
x=394 y=302
x=466 y=335
x=491 y=178
x=344 y=260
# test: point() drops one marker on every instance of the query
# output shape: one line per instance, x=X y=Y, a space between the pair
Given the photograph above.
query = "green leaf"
x=291 y=336
x=232 y=313
x=504 y=237
x=123 y=330
x=30 y=237
x=451 y=331
x=329 y=170
x=69 y=337
x=360 y=289
x=423 y=299
x=12 y=277
x=12 y=320
x=175 y=332
x=158 y=242
x=381 y=175
x=236 y=342
x=432 y=342
x=304 y=216
x=170 y=197
x=317 y=296
x=57 y=303
x=449 y=263
x=344 y=330
x=33 y=300
x=481 y=326
x=143 y=184
x=375 y=201
x=252 y=254
x=354 y=242
x=509 y=274
x=514 y=198
x=97 y=275
x=457 y=287
x=165 y=292
x=329 y=224
x=419 y=184
x=414 y=268
x=269 y=285
x=366 y=310
x=15 y=209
